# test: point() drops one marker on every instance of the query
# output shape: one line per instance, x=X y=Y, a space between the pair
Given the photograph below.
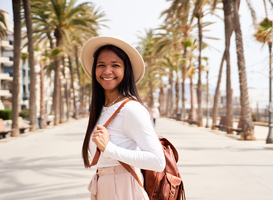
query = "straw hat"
x=91 y=46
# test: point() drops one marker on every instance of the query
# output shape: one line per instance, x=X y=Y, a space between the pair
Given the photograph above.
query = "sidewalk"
x=214 y=166
x=47 y=165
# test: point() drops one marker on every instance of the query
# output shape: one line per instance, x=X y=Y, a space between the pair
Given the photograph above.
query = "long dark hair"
x=127 y=88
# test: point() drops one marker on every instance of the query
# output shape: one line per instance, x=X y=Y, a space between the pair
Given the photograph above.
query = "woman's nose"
x=108 y=70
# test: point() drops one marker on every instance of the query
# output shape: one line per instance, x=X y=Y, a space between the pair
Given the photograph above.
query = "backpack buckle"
x=172 y=191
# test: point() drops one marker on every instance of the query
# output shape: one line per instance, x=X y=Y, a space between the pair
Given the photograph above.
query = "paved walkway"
x=47 y=165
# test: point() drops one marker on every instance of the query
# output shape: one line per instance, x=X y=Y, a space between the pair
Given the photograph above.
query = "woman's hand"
x=101 y=137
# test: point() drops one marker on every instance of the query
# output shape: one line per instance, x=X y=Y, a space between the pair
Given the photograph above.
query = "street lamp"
x=269 y=139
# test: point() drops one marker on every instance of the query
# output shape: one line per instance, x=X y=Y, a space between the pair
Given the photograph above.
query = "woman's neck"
x=111 y=99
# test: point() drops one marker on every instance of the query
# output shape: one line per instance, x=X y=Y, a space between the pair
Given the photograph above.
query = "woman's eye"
x=100 y=65
x=115 y=65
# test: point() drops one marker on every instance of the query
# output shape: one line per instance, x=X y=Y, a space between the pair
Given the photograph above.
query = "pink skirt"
x=116 y=183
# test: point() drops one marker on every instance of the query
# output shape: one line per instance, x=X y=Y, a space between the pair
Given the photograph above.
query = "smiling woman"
x=115 y=68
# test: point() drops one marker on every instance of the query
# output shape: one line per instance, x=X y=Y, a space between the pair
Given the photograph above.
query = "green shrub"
x=24 y=113
x=5 y=114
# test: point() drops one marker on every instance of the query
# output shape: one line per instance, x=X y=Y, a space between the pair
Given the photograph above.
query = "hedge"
x=5 y=114
x=24 y=113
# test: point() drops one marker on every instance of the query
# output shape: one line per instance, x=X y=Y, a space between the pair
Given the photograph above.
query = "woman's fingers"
x=101 y=137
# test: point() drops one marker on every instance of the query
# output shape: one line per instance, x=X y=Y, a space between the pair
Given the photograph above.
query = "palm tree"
x=247 y=123
x=42 y=103
x=64 y=17
x=198 y=11
x=216 y=95
x=264 y=34
x=228 y=32
x=177 y=24
x=192 y=46
x=162 y=102
x=192 y=113
x=3 y=32
x=145 y=47
x=16 y=5
x=81 y=91
x=228 y=26
x=72 y=87
x=167 y=62
x=32 y=96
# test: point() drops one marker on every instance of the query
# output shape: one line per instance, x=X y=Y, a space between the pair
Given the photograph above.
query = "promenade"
x=47 y=164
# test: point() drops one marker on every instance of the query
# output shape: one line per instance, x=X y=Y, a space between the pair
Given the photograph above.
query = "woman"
x=115 y=68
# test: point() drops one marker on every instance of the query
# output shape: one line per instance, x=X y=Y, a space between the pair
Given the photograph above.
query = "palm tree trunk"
x=269 y=138
x=151 y=89
x=61 y=103
x=52 y=111
x=177 y=97
x=199 y=87
x=229 y=107
x=216 y=96
x=16 y=6
x=162 y=107
x=67 y=99
x=183 y=74
x=265 y=8
x=79 y=77
x=192 y=110
x=171 y=96
x=72 y=87
x=56 y=96
x=247 y=123
x=32 y=95
x=42 y=102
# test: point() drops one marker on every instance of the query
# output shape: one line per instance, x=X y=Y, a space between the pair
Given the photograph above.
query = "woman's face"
x=109 y=70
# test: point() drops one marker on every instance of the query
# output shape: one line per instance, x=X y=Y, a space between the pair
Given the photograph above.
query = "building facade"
x=6 y=65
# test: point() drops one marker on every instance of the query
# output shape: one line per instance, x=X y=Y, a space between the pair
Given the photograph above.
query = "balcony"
x=5 y=93
x=6 y=44
x=6 y=60
x=5 y=76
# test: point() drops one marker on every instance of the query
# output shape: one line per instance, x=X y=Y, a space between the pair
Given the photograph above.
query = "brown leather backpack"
x=168 y=183
x=165 y=185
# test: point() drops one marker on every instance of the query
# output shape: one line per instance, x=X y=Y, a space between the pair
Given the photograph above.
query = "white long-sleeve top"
x=132 y=139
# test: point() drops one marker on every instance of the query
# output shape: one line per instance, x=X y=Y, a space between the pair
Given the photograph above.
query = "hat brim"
x=91 y=46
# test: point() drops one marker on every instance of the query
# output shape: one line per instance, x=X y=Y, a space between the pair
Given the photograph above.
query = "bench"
x=21 y=125
x=239 y=128
x=3 y=131
x=222 y=124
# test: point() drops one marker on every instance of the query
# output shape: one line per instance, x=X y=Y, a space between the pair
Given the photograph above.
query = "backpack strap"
x=97 y=154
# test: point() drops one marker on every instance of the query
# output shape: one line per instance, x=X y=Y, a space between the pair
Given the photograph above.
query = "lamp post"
x=269 y=139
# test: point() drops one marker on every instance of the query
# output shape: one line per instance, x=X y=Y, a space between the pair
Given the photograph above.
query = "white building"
x=6 y=64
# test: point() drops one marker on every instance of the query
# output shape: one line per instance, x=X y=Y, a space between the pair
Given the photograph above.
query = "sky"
x=129 y=19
